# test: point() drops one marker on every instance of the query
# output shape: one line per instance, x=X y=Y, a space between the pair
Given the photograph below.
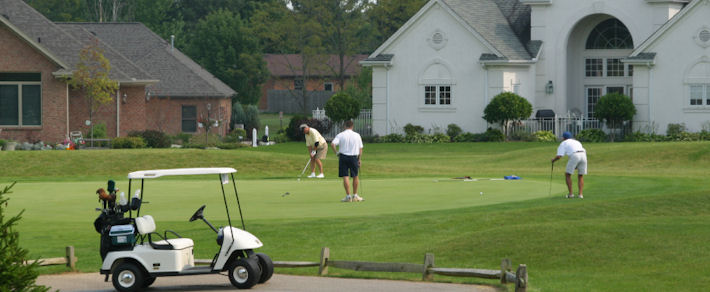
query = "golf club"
x=304 y=169
x=549 y=193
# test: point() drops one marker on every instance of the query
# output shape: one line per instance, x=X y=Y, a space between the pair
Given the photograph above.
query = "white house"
x=450 y=59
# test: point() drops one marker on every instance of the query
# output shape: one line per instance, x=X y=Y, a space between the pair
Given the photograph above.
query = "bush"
x=468 y=137
x=342 y=107
x=16 y=276
x=592 y=135
x=2 y=143
x=152 y=138
x=674 y=131
x=295 y=134
x=280 y=137
x=419 y=139
x=639 y=136
x=493 y=135
x=252 y=119
x=544 y=136
x=411 y=130
x=203 y=140
x=506 y=107
x=181 y=138
x=237 y=135
x=522 y=135
x=392 y=138
x=453 y=130
x=441 y=138
x=128 y=142
x=238 y=116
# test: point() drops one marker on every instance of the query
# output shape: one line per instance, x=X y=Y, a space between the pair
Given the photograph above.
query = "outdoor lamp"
x=549 y=89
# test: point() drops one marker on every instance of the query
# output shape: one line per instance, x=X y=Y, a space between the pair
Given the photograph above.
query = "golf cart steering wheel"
x=198 y=214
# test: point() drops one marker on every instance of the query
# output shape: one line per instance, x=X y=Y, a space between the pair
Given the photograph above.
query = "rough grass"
x=641 y=227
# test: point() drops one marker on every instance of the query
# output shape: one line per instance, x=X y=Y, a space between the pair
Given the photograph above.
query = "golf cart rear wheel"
x=148 y=281
x=266 y=266
x=128 y=277
x=244 y=273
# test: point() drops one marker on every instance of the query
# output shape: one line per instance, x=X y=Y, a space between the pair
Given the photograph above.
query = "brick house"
x=287 y=78
x=159 y=87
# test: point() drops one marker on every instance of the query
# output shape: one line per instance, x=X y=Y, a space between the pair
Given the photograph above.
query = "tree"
x=361 y=88
x=614 y=109
x=61 y=10
x=507 y=107
x=387 y=16
x=91 y=76
x=14 y=274
x=225 y=46
x=341 y=107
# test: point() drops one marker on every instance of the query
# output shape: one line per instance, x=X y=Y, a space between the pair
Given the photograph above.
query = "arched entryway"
x=596 y=46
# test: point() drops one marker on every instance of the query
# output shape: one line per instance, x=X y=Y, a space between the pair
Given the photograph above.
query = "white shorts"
x=577 y=161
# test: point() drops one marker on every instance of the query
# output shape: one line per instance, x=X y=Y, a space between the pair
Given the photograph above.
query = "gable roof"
x=179 y=75
x=502 y=25
x=290 y=65
x=64 y=45
x=665 y=27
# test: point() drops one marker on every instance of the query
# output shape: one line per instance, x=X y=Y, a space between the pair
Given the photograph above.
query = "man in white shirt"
x=577 y=160
x=317 y=147
x=349 y=153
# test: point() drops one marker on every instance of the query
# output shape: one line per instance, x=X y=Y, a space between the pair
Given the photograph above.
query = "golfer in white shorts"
x=577 y=160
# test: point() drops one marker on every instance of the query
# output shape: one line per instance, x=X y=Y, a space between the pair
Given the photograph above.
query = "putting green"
x=176 y=200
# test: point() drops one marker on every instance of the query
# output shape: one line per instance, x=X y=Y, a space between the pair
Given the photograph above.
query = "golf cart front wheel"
x=244 y=273
x=128 y=277
x=266 y=266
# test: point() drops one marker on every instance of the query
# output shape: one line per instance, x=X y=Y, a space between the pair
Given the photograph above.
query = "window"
x=630 y=70
x=298 y=84
x=20 y=99
x=614 y=68
x=189 y=118
x=593 y=95
x=610 y=34
x=594 y=67
x=328 y=86
x=698 y=93
x=437 y=95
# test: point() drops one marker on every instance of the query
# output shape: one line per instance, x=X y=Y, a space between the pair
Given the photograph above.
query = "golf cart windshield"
x=179 y=171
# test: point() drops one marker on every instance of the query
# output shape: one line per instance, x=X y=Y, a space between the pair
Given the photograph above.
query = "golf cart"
x=134 y=254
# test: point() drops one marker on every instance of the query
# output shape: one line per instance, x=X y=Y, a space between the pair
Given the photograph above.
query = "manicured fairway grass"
x=643 y=225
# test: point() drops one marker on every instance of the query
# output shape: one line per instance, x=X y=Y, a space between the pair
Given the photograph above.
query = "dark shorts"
x=347 y=164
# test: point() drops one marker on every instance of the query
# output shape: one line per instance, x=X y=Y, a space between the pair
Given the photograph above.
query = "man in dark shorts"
x=349 y=153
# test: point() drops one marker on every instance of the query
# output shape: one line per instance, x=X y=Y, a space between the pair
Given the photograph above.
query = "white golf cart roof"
x=141 y=174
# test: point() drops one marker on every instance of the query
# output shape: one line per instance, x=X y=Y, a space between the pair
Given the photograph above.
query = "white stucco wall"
x=679 y=61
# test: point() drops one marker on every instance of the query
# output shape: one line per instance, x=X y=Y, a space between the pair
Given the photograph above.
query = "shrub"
x=419 y=139
x=392 y=138
x=280 y=137
x=342 y=107
x=411 y=130
x=522 y=135
x=591 y=135
x=441 y=138
x=238 y=116
x=453 y=130
x=181 y=138
x=236 y=135
x=639 y=136
x=152 y=138
x=295 y=134
x=128 y=142
x=614 y=109
x=203 y=140
x=674 y=131
x=2 y=143
x=506 y=107
x=493 y=135
x=16 y=276
x=252 y=119
x=544 y=136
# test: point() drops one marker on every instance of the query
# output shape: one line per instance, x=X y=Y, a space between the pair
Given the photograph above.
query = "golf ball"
x=481 y=193
x=299 y=179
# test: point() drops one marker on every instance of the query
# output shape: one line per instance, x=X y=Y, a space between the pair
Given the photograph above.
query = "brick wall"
x=165 y=114
x=17 y=56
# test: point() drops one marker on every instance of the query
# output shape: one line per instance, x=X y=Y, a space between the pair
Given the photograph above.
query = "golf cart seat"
x=146 y=226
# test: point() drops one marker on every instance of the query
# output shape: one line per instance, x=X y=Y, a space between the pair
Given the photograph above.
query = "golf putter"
x=304 y=169
x=549 y=193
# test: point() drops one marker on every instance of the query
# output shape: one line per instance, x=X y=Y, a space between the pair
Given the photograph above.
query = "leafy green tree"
x=614 y=109
x=14 y=274
x=92 y=78
x=507 y=107
x=61 y=10
x=361 y=87
x=162 y=17
x=342 y=107
x=225 y=46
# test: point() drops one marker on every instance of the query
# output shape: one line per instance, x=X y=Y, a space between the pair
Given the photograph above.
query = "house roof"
x=641 y=49
x=290 y=65
x=502 y=25
x=179 y=75
x=137 y=55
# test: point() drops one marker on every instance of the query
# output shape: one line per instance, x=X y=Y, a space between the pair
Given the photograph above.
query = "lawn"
x=643 y=225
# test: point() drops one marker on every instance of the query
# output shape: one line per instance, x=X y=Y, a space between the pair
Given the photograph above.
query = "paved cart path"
x=278 y=283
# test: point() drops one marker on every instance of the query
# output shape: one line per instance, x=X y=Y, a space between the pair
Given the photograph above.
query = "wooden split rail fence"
x=428 y=269
x=69 y=260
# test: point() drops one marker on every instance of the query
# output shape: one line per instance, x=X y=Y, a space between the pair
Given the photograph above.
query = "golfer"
x=317 y=147
x=350 y=154
x=577 y=160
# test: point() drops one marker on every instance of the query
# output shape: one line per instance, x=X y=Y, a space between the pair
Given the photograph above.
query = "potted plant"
x=10 y=145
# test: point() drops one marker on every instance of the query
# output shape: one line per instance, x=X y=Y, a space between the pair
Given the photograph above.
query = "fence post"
x=428 y=263
x=71 y=259
x=505 y=266
x=521 y=279
x=324 y=256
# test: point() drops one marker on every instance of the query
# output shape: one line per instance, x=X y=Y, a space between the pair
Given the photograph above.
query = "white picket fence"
x=362 y=124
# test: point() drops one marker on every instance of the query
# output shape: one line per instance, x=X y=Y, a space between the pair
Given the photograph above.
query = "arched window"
x=609 y=35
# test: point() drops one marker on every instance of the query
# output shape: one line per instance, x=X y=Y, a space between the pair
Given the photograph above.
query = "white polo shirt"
x=569 y=147
x=348 y=142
